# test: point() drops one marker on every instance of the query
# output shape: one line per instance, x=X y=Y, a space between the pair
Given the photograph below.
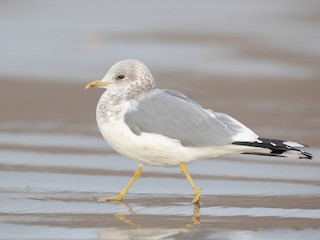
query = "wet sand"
x=256 y=61
x=283 y=109
x=54 y=161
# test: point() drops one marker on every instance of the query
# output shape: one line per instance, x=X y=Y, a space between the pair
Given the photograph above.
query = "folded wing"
x=172 y=114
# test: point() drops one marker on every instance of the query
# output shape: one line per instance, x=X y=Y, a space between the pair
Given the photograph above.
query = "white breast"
x=156 y=150
x=150 y=148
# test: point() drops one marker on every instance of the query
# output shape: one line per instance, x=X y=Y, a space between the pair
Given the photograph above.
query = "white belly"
x=147 y=149
x=154 y=149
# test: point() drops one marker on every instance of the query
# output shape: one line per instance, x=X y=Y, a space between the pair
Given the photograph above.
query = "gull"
x=165 y=128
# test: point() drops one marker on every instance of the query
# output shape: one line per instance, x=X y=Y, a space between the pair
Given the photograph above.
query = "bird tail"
x=279 y=148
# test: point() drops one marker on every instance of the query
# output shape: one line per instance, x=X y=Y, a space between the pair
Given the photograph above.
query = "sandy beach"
x=256 y=61
x=272 y=108
x=54 y=161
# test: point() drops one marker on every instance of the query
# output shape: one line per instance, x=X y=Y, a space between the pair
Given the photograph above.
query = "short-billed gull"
x=165 y=128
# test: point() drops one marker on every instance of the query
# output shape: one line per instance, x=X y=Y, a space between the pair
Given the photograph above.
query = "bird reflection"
x=144 y=231
x=123 y=217
x=196 y=214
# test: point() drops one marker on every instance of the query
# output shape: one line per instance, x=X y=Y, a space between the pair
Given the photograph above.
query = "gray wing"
x=172 y=114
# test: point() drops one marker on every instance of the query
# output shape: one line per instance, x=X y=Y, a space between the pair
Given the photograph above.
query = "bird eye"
x=120 y=77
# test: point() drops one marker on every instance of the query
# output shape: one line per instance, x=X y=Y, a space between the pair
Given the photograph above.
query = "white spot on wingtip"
x=293 y=144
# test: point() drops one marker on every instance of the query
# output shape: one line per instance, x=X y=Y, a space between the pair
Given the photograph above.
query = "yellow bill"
x=96 y=84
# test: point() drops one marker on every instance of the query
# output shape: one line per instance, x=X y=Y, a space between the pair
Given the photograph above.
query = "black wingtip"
x=307 y=155
x=277 y=148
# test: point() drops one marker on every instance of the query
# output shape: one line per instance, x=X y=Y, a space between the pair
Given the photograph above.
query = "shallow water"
x=257 y=60
x=50 y=195
x=75 y=41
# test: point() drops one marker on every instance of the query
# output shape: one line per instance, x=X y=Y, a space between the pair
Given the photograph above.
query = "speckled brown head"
x=126 y=80
x=130 y=78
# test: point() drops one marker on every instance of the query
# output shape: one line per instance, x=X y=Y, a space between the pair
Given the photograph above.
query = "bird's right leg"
x=123 y=193
x=196 y=190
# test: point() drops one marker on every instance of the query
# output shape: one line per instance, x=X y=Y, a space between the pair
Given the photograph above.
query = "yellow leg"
x=121 y=195
x=196 y=190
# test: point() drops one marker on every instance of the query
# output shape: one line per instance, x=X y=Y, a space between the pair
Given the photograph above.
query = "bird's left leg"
x=196 y=190
x=123 y=193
